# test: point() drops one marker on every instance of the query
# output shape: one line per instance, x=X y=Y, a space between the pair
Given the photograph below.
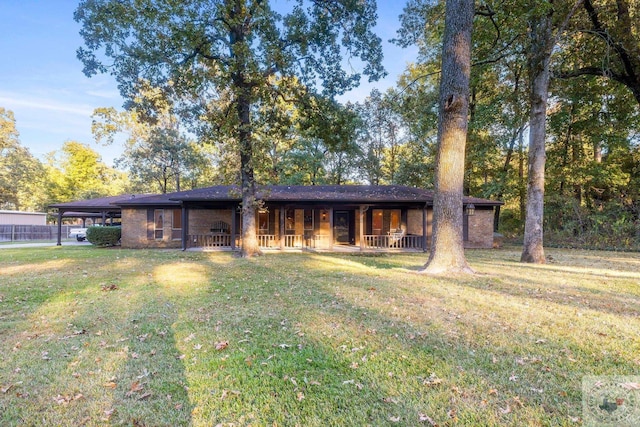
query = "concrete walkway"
x=27 y=244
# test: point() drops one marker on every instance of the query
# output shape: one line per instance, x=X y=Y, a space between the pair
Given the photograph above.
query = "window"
x=263 y=221
x=385 y=221
x=176 y=224
x=290 y=220
x=394 y=220
x=308 y=220
x=377 y=221
x=177 y=219
x=158 y=219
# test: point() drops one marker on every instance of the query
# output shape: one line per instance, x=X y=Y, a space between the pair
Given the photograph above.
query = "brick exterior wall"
x=134 y=230
x=414 y=222
x=134 y=226
x=480 y=229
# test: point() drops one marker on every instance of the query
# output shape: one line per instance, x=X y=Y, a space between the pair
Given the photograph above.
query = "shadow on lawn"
x=560 y=286
x=327 y=349
x=100 y=357
x=550 y=282
x=539 y=367
x=287 y=372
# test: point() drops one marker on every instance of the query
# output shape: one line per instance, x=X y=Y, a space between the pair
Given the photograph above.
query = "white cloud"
x=15 y=101
x=106 y=94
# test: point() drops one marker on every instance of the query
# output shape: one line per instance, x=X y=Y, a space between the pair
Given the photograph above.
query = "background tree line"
x=592 y=167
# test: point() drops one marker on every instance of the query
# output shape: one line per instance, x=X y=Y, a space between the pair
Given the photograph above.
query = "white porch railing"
x=209 y=241
x=267 y=241
x=293 y=240
x=385 y=241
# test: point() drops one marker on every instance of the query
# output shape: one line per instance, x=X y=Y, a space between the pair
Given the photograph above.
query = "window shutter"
x=150 y=224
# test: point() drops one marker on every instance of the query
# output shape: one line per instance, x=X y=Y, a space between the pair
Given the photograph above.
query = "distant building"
x=23 y=218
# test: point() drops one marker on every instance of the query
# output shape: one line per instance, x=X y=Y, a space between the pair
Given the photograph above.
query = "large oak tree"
x=224 y=57
x=447 y=251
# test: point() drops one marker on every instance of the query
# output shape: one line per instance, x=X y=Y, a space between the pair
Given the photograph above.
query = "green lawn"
x=94 y=336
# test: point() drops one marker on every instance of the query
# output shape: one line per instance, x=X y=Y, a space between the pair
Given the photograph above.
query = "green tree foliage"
x=21 y=174
x=157 y=155
x=593 y=111
x=77 y=172
x=603 y=41
x=227 y=56
x=380 y=137
x=593 y=195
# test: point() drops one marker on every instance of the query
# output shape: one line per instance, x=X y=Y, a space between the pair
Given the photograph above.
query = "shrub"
x=104 y=236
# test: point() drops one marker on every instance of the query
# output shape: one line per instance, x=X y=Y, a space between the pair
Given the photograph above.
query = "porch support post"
x=331 y=228
x=363 y=209
x=104 y=218
x=185 y=226
x=234 y=227
x=281 y=228
x=424 y=228
x=60 y=212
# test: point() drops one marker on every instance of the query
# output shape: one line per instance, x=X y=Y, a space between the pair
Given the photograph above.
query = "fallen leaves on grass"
x=107 y=414
x=136 y=387
x=227 y=393
x=424 y=418
x=66 y=399
x=5 y=389
x=432 y=380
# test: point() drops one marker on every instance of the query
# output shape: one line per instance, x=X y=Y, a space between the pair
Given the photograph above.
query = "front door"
x=341 y=229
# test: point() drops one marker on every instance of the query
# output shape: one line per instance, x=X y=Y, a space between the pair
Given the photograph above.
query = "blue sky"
x=41 y=79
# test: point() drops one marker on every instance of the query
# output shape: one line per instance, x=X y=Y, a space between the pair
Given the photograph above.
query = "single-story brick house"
x=364 y=217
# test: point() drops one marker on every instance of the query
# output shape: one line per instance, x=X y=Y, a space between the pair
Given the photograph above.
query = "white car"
x=79 y=233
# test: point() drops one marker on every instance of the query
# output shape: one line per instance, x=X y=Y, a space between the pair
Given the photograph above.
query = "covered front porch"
x=311 y=227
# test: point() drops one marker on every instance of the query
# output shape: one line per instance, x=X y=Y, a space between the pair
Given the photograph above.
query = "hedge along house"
x=357 y=217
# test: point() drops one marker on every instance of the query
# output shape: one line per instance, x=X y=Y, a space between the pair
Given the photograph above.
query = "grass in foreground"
x=164 y=338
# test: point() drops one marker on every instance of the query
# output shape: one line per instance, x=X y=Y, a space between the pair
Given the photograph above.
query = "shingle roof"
x=313 y=193
x=276 y=193
x=307 y=194
x=92 y=205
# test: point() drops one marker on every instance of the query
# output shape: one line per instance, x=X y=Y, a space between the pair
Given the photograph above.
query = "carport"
x=105 y=208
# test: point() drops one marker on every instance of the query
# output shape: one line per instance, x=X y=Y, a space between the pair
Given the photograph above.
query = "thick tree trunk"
x=243 y=101
x=250 y=245
x=447 y=250
x=541 y=42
